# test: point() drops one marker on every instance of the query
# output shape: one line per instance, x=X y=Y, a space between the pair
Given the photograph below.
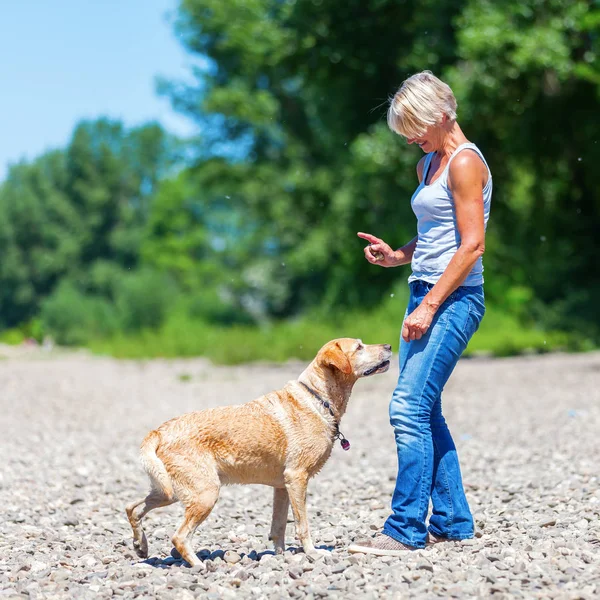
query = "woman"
x=446 y=305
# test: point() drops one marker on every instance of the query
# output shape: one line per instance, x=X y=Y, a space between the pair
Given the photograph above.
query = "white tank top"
x=437 y=234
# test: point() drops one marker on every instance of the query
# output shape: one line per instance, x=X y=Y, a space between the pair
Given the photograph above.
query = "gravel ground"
x=527 y=430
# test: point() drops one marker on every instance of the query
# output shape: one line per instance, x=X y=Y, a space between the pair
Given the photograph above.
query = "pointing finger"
x=370 y=238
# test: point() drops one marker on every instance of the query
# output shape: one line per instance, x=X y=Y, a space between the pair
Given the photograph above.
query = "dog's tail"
x=155 y=467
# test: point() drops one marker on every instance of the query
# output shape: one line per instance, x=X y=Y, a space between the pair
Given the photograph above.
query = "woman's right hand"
x=378 y=252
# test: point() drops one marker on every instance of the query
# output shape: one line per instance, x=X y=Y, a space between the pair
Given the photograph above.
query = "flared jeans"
x=428 y=467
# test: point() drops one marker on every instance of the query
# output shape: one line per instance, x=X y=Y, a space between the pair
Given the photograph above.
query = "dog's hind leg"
x=154 y=499
x=281 y=503
x=198 y=494
x=161 y=493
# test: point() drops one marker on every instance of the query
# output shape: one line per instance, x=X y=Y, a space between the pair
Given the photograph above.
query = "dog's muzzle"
x=382 y=367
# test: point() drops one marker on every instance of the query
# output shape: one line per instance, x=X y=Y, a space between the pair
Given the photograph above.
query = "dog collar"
x=338 y=434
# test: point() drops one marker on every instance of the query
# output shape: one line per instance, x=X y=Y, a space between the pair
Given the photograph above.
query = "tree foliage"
x=295 y=157
x=70 y=211
x=301 y=87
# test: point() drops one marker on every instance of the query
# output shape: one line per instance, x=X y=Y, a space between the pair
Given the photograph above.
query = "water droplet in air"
x=542 y=238
x=391 y=295
x=579 y=159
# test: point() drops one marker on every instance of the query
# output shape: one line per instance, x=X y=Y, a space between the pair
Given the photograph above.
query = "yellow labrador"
x=281 y=439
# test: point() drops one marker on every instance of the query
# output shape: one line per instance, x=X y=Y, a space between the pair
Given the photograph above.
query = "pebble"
x=340 y=567
x=232 y=557
x=531 y=482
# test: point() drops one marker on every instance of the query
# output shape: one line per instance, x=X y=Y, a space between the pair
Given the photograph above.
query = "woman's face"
x=430 y=141
x=433 y=138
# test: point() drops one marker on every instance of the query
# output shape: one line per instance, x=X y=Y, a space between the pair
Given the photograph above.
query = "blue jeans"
x=427 y=460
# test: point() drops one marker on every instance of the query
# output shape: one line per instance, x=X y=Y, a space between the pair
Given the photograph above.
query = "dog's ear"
x=335 y=357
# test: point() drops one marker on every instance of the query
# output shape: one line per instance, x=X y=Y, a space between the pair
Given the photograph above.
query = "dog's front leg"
x=296 y=483
x=281 y=504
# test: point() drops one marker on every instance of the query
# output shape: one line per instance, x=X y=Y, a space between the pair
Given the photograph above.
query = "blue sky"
x=65 y=60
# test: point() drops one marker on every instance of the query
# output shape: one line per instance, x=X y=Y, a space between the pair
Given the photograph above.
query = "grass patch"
x=500 y=334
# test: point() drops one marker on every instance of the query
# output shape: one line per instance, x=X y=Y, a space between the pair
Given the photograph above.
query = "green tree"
x=68 y=210
x=293 y=96
x=290 y=93
x=206 y=244
x=529 y=77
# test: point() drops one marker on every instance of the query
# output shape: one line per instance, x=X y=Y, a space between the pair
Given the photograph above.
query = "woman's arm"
x=380 y=253
x=404 y=255
x=467 y=178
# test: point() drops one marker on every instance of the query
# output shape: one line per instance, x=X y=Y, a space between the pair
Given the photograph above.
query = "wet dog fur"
x=281 y=439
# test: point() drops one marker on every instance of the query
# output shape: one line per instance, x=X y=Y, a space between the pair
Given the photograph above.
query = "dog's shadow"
x=207 y=555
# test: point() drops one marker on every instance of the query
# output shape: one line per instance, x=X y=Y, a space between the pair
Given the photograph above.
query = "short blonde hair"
x=420 y=102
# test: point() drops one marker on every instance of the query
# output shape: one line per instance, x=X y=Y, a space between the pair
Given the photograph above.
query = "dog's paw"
x=141 y=547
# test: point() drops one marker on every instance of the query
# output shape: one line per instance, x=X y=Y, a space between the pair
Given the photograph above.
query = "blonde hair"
x=420 y=102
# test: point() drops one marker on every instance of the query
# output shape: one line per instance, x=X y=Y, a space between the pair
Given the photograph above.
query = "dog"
x=281 y=439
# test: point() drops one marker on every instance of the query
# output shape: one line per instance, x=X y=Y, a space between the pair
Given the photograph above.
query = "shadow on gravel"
x=232 y=556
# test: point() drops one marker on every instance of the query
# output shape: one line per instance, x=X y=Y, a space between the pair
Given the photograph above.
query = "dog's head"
x=353 y=358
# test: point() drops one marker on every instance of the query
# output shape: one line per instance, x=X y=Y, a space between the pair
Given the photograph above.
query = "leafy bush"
x=213 y=306
x=500 y=334
x=73 y=318
x=143 y=299
x=12 y=336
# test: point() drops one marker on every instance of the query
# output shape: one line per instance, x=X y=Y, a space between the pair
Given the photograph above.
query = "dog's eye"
x=359 y=346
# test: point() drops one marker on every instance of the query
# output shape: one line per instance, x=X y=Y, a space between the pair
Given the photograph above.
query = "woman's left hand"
x=415 y=326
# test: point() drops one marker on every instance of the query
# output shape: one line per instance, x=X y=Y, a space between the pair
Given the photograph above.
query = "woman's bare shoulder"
x=467 y=165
